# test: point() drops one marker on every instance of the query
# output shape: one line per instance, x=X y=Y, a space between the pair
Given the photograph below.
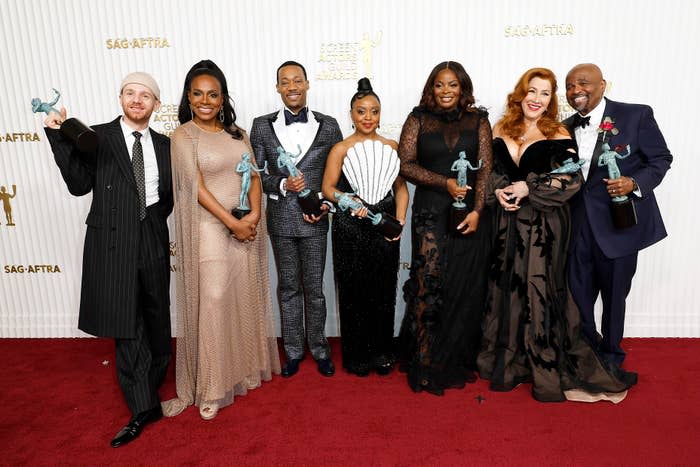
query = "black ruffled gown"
x=531 y=332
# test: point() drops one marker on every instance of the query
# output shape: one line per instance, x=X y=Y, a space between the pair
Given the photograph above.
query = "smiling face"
x=537 y=98
x=447 y=90
x=584 y=87
x=365 y=115
x=138 y=103
x=205 y=99
x=292 y=86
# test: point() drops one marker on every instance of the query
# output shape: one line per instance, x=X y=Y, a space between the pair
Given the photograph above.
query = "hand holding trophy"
x=459 y=209
x=385 y=223
x=622 y=207
x=309 y=202
x=80 y=134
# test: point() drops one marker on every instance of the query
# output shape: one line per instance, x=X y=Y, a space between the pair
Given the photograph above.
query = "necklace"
x=524 y=137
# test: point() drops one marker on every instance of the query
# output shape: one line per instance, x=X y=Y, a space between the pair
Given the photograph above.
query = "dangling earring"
x=378 y=126
x=352 y=125
x=191 y=113
x=221 y=114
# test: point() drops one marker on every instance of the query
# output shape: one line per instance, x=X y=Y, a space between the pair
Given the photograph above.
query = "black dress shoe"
x=325 y=366
x=133 y=429
x=290 y=367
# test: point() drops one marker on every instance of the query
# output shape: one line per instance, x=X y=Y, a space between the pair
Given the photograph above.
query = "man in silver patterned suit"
x=298 y=241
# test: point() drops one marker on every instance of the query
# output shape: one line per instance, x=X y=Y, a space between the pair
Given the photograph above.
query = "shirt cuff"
x=283 y=192
x=331 y=206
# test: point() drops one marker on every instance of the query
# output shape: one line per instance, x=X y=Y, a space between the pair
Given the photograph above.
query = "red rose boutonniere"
x=607 y=126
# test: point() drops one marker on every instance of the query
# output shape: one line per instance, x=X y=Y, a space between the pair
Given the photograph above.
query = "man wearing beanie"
x=126 y=275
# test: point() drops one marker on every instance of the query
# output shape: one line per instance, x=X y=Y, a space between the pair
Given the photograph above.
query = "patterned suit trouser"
x=300 y=265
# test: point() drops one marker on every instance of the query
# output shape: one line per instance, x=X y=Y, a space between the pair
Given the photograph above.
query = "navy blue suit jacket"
x=647 y=164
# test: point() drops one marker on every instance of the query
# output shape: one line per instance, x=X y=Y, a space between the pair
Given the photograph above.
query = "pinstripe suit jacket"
x=284 y=215
x=108 y=300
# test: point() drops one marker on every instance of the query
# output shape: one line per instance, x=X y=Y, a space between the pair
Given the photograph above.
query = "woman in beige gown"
x=226 y=343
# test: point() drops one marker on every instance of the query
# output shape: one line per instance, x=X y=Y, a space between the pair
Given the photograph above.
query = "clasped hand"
x=510 y=196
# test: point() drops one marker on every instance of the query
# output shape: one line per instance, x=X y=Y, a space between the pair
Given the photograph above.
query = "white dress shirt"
x=587 y=137
x=293 y=136
x=150 y=164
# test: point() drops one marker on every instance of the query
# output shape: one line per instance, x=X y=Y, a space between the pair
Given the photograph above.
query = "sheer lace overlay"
x=446 y=289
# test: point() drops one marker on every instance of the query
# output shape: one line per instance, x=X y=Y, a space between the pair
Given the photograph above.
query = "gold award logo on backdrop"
x=5 y=196
x=138 y=43
x=538 y=30
x=173 y=253
x=17 y=137
x=165 y=120
x=348 y=60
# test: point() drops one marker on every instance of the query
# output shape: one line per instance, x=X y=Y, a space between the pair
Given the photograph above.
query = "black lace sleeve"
x=486 y=155
x=411 y=170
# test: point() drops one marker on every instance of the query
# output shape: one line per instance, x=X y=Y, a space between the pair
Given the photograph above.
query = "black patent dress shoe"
x=325 y=366
x=135 y=426
x=290 y=367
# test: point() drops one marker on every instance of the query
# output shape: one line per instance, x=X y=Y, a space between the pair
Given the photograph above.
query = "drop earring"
x=221 y=114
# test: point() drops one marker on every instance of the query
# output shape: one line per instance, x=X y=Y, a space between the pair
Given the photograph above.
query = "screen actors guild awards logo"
x=348 y=60
x=5 y=196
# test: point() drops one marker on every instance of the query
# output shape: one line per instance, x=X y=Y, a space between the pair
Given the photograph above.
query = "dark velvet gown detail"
x=446 y=290
x=366 y=273
x=531 y=331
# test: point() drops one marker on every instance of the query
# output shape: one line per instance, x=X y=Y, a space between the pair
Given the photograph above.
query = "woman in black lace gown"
x=446 y=289
x=532 y=327
x=365 y=263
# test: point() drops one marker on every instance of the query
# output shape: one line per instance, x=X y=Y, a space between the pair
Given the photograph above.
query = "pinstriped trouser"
x=300 y=265
x=142 y=362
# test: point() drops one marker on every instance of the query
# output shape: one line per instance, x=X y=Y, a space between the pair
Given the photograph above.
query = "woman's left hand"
x=469 y=224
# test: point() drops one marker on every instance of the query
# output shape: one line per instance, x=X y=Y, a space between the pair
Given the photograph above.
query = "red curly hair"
x=512 y=123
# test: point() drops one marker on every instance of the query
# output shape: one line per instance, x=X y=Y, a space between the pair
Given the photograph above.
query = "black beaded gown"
x=446 y=290
x=366 y=274
x=531 y=331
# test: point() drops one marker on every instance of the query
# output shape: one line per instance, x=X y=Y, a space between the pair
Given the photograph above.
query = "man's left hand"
x=620 y=186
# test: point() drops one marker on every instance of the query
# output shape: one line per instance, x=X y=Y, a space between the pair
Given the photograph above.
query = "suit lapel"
x=115 y=138
x=609 y=106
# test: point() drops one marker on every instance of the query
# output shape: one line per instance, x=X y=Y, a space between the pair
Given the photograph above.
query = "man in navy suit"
x=603 y=258
x=298 y=240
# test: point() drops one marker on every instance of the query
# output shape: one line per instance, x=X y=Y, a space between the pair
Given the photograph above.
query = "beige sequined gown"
x=226 y=343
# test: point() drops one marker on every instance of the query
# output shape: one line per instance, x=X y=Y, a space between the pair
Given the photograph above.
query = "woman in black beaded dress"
x=365 y=263
x=532 y=328
x=446 y=290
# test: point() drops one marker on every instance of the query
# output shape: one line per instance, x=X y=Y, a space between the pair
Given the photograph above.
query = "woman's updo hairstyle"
x=364 y=89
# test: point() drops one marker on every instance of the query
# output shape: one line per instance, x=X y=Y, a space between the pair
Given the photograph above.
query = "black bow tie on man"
x=580 y=121
x=290 y=118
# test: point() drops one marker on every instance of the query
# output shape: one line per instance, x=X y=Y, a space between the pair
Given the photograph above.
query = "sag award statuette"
x=386 y=224
x=79 y=133
x=621 y=207
x=309 y=202
x=244 y=167
x=459 y=209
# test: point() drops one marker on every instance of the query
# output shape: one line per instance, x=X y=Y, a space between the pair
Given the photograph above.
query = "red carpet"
x=61 y=405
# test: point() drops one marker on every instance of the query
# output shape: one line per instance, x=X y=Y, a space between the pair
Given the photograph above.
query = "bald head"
x=584 y=87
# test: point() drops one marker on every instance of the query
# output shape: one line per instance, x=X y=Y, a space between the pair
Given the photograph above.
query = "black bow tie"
x=290 y=118
x=580 y=121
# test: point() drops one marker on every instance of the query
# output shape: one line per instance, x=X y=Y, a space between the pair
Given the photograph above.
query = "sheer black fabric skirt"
x=366 y=274
x=445 y=298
